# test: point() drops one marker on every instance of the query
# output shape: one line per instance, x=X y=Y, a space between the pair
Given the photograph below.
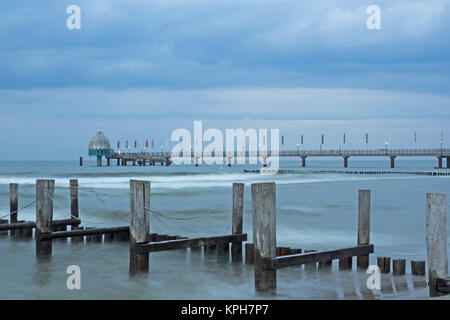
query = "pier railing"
x=436 y=152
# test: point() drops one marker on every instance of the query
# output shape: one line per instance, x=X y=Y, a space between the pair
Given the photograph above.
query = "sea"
x=315 y=210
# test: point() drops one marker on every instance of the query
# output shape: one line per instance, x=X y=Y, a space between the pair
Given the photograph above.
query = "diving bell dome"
x=99 y=145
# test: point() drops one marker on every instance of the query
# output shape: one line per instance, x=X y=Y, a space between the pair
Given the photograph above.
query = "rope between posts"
x=159 y=213
x=74 y=217
x=18 y=210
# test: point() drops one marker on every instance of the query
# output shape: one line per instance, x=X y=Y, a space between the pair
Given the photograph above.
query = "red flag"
x=135 y=143
x=146 y=143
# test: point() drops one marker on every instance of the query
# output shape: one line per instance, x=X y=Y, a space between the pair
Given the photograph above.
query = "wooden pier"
x=165 y=158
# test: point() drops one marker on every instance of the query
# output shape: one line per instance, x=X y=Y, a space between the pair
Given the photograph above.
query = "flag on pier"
x=367 y=138
x=146 y=144
x=135 y=144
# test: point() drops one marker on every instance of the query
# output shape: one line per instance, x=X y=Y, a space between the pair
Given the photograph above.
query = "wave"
x=196 y=180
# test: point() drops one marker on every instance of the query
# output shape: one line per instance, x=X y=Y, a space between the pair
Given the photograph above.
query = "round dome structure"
x=99 y=145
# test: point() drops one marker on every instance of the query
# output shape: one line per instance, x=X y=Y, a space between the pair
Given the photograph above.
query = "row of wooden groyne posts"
x=263 y=253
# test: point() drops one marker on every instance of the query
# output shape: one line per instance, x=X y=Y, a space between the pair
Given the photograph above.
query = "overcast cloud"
x=144 y=65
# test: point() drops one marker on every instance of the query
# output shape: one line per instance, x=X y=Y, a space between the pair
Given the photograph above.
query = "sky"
x=141 y=69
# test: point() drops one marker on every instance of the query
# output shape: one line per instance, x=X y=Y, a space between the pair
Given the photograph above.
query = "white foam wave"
x=192 y=181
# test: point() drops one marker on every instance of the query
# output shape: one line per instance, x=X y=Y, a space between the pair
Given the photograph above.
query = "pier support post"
x=118 y=162
x=363 y=226
x=44 y=215
x=264 y=235
x=392 y=161
x=134 y=162
x=140 y=224
x=264 y=162
x=346 y=162
x=237 y=220
x=448 y=162
x=108 y=163
x=81 y=161
x=196 y=161
x=13 y=206
x=436 y=227
x=229 y=162
x=99 y=161
x=439 y=162
x=303 y=162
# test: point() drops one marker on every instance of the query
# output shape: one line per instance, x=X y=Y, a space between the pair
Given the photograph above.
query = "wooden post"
x=384 y=263
x=398 y=267
x=74 y=214
x=345 y=263
x=13 y=201
x=74 y=198
x=303 y=162
x=418 y=268
x=13 y=208
x=436 y=219
x=223 y=250
x=4 y=221
x=77 y=239
x=81 y=161
x=363 y=226
x=326 y=265
x=264 y=235
x=237 y=220
x=140 y=224
x=109 y=237
x=44 y=215
x=249 y=253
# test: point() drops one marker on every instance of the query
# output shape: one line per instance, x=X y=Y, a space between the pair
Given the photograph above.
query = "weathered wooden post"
x=44 y=215
x=418 y=268
x=249 y=253
x=363 y=226
x=237 y=220
x=345 y=263
x=74 y=211
x=436 y=219
x=74 y=199
x=264 y=235
x=13 y=208
x=13 y=202
x=398 y=267
x=140 y=224
x=5 y=232
x=384 y=263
